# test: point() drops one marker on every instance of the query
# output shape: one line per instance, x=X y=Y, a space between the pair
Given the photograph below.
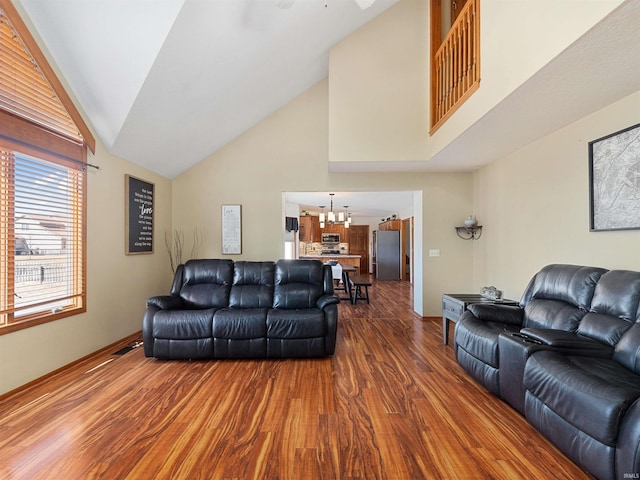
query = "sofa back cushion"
x=559 y=296
x=207 y=283
x=298 y=283
x=627 y=351
x=252 y=285
x=614 y=307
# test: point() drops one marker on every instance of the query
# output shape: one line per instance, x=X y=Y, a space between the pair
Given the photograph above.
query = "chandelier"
x=330 y=218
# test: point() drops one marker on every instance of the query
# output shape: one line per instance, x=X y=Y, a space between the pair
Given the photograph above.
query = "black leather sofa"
x=223 y=309
x=568 y=358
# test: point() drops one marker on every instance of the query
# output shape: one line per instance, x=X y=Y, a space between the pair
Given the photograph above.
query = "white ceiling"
x=167 y=82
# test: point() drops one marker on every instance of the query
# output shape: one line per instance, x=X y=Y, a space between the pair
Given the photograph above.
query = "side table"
x=454 y=305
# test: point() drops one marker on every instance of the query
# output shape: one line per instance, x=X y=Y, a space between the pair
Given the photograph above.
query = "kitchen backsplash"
x=315 y=248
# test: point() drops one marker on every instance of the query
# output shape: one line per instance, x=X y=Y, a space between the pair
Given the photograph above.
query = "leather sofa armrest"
x=561 y=339
x=628 y=444
x=325 y=300
x=509 y=314
x=166 y=302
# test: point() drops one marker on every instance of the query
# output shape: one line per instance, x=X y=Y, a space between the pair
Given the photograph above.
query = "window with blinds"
x=43 y=151
x=42 y=239
x=20 y=77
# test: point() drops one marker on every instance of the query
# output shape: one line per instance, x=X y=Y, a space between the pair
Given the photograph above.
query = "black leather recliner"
x=556 y=298
x=222 y=309
x=569 y=360
x=589 y=406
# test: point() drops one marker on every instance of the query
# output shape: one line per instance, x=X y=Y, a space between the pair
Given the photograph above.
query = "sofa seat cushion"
x=479 y=338
x=592 y=394
x=241 y=323
x=301 y=323
x=183 y=324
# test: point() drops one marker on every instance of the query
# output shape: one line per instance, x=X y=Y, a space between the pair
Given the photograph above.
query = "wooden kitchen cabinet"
x=309 y=229
x=390 y=225
x=337 y=228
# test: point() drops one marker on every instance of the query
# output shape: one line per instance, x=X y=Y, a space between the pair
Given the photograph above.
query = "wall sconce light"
x=470 y=230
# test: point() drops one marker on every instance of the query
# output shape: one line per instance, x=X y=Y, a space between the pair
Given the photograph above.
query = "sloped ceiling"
x=167 y=82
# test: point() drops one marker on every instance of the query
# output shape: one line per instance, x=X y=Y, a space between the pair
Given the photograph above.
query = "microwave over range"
x=331 y=238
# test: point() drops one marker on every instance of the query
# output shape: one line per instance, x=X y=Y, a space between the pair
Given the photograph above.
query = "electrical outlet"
x=434 y=253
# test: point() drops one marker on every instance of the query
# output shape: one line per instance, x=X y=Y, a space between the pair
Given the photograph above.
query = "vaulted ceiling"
x=167 y=82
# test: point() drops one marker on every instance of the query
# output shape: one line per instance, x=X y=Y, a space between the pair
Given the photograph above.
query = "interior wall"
x=534 y=205
x=118 y=285
x=521 y=23
x=288 y=152
x=380 y=75
x=378 y=84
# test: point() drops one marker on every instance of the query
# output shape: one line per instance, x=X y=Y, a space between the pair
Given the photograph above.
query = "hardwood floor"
x=391 y=404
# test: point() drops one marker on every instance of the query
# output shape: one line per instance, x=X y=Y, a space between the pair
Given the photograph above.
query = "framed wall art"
x=138 y=215
x=614 y=181
x=231 y=229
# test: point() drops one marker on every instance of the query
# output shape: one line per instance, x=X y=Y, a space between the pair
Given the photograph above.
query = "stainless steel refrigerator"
x=388 y=255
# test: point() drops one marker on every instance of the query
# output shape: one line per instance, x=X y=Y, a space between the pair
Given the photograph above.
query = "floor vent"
x=124 y=350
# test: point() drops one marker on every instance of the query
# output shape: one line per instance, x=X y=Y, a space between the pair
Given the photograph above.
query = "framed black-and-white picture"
x=231 y=229
x=614 y=181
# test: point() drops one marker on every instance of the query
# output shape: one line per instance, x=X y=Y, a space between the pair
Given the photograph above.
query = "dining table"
x=346 y=271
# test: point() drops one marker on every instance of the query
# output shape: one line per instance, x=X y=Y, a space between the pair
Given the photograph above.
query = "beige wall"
x=379 y=76
x=117 y=285
x=378 y=88
x=513 y=50
x=288 y=152
x=534 y=205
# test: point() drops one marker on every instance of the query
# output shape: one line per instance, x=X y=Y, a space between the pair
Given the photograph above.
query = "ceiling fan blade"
x=363 y=4
x=284 y=3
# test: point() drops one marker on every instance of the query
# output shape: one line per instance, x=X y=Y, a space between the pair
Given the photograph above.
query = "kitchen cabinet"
x=339 y=229
x=390 y=225
x=309 y=229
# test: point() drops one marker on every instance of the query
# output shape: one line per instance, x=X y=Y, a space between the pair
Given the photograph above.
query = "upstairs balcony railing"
x=455 y=70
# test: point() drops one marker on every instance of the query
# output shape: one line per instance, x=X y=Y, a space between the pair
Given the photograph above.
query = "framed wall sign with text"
x=231 y=229
x=139 y=216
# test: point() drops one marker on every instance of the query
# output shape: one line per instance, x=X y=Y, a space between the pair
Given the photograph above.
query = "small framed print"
x=231 y=229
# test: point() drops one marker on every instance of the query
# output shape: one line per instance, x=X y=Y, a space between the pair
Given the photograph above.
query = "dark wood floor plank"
x=392 y=403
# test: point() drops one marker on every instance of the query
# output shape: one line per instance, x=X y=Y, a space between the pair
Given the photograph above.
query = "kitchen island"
x=353 y=260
